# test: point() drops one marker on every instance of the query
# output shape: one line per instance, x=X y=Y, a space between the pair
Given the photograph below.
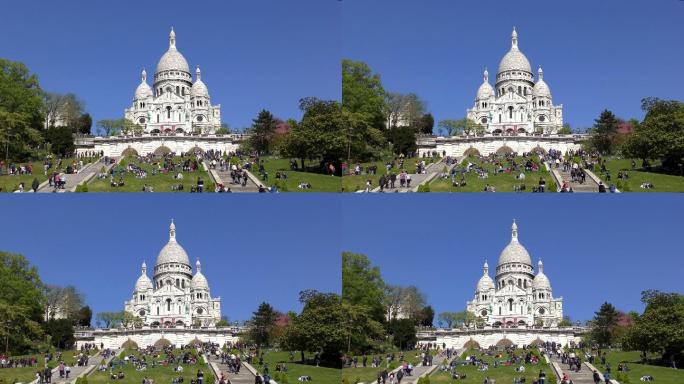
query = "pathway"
x=431 y=172
x=589 y=184
x=584 y=376
x=76 y=371
x=244 y=377
x=86 y=174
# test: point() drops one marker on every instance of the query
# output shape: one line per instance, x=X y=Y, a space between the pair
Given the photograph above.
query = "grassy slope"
x=503 y=182
x=319 y=182
x=160 y=182
x=502 y=374
x=662 y=182
x=318 y=374
x=662 y=375
x=11 y=183
x=26 y=374
x=160 y=374
x=352 y=183
x=368 y=374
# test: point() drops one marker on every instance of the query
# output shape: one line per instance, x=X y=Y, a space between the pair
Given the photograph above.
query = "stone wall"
x=115 y=338
x=457 y=146
x=485 y=338
x=145 y=144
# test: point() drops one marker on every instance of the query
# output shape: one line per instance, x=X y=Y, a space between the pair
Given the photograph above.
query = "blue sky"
x=253 y=54
x=594 y=249
x=252 y=248
x=595 y=54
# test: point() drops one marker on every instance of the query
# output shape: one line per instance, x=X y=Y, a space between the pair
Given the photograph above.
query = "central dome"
x=172 y=251
x=172 y=60
x=514 y=60
x=514 y=251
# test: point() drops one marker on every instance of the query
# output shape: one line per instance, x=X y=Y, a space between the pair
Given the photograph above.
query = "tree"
x=403 y=332
x=659 y=135
x=604 y=132
x=453 y=127
x=565 y=130
x=425 y=124
x=317 y=328
x=61 y=332
x=426 y=316
x=262 y=131
x=109 y=319
x=451 y=319
x=403 y=140
x=262 y=324
x=362 y=284
x=84 y=124
x=61 y=140
x=21 y=303
x=21 y=118
x=85 y=315
x=659 y=328
x=604 y=322
x=110 y=127
x=362 y=92
x=224 y=129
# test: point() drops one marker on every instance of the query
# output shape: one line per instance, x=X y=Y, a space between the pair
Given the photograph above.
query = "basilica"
x=174 y=104
x=516 y=297
x=517 y=104
x=174 y=297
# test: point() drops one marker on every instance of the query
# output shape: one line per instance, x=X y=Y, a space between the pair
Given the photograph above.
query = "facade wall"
x=490 y=337
x=115 y=338
x=143 y=145
x=486 y=145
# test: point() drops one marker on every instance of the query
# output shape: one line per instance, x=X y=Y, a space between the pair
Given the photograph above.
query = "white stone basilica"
x=174 y=297
x=516 y=297
x=175 y=104
x=516 y=104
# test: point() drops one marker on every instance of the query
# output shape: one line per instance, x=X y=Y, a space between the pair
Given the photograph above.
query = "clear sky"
x=252 y=248
x=595 y=54
x=253 y=54
x=594 y=249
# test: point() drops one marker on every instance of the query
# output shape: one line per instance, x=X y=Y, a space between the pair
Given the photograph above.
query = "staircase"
x=589 y=184
x=224 y=177
x=584 y=376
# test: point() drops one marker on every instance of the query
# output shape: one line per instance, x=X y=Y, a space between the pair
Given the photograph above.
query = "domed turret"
x=514 y=60
x=199 y=281
x=172 y=60
x=172 y=251
x=143 y=91
x=486 y=283
x=485 y=91
x=540 y=280
x=514 y=251
x=199 y=89
x=541 y=89
x=144 y=283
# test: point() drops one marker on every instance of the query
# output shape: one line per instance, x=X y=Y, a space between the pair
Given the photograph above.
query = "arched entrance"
x=129 y=152
x=471 y=344
x=504 y=343
x=504 y=150
x=196 y=151
x=471 y=152
x=537 y=342
x=161 y=151
x=161 y=343
x=129 y=344
x=538 y=150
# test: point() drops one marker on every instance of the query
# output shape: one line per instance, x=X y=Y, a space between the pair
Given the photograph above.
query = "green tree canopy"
x=21 y=103
x=660 y=135
x=21 y=302
x=403 y=332
x=362 y=92
x=451 y=319
x=262 y=132
x=362 y=284
x=604 y=323
x=61 y=333
x=61 y=140
x=261 y=325
x=604 y=132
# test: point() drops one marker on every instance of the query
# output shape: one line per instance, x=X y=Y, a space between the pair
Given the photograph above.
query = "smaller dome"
x=144 y=283
x=541 y=89
x=540 y=280
x=486 y=282
x=199 y=281
x=199 y=88
x=486 y=90
x=143 y=91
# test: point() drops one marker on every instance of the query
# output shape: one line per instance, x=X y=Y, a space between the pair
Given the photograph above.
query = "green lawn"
x=161 y=374
x=11 y=183
x=661 y=375
x=319 y=182
x=503 y=182
x=27 y=374
x=661 y=182
x=369 y=374
x=353 y=183
x=295 y=370
x=160 y=182
x=502 y=374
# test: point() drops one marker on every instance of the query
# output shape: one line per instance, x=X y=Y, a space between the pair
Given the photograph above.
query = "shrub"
x=424 y=188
